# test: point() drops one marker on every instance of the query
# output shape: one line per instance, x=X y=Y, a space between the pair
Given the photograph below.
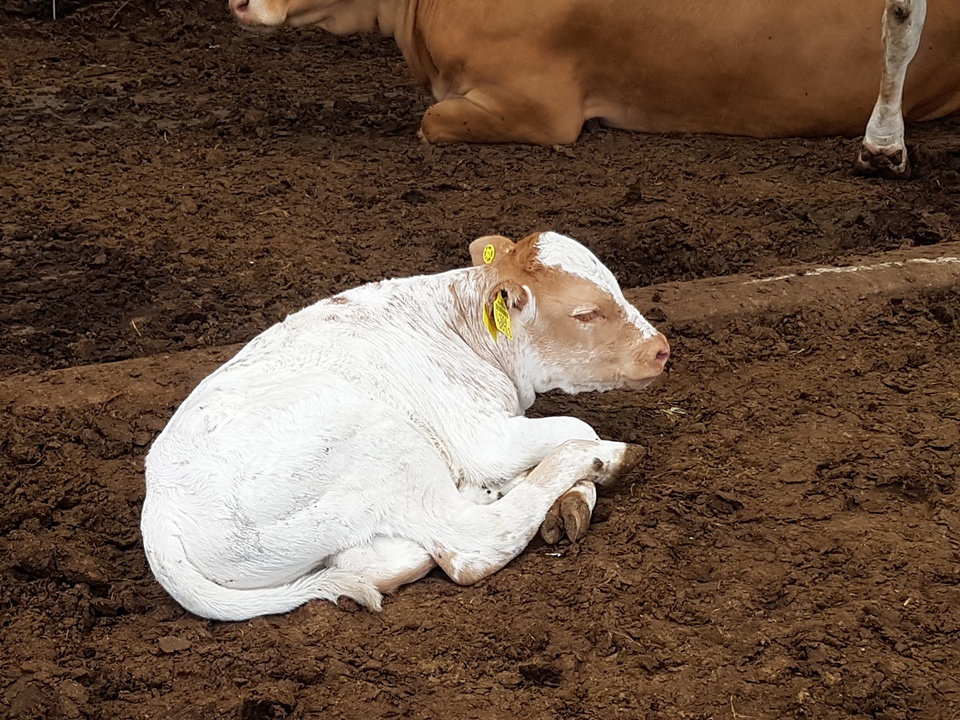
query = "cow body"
x=534 y=71
x=379 y=433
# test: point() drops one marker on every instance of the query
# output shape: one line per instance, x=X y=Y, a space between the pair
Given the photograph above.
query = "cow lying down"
x=379 y=433
x=534 y=71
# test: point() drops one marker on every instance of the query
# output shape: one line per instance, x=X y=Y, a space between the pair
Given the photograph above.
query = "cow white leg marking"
x=883 y=152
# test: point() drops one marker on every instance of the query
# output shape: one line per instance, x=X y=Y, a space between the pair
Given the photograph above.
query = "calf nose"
x=239 y=6
x=663 y=354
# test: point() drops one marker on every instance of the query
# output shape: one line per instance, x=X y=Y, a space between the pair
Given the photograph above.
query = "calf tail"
x=209 y=599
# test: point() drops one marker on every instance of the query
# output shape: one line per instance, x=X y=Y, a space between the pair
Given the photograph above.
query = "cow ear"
x=518 y=299
x=509 y=303
x=489 y=248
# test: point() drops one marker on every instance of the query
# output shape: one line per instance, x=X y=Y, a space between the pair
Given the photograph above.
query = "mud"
x=788 y=547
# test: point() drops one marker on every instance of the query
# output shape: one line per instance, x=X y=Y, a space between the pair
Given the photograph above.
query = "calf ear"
x=508 y=302
x=487 y=249
x=517 y=298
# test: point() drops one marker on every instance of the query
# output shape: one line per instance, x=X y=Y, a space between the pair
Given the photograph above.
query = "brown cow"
x=534 y=71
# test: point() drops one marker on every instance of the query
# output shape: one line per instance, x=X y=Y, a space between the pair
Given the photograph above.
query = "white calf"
x=884 y=152
x=379 y=433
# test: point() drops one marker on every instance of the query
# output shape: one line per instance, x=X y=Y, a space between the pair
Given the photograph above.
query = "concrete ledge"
x=161 y=380
x=886 y=275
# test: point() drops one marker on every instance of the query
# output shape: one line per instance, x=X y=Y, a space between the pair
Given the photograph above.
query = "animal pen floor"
x=789 y=548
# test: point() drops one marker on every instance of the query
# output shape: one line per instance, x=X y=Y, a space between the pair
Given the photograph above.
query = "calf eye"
x=586 y=316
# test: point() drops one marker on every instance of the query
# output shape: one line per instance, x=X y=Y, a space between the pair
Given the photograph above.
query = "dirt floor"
x=789 y=548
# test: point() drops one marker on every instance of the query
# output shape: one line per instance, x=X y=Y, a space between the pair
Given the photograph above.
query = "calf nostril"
x=240 y=5
x=663 y=355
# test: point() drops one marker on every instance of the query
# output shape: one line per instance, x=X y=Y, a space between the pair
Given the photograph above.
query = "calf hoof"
x=570 y=516
x=611 y=476
x=889 y=163
x=576 y=513
x=632 y=457
x=551 y=530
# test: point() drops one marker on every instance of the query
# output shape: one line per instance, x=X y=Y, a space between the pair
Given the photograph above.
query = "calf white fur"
x=381 y=432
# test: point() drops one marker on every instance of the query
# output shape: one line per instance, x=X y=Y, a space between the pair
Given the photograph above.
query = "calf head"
x=341 y=17
x=568 y=306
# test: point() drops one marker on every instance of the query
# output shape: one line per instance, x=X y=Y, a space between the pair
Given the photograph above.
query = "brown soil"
x=790 y=546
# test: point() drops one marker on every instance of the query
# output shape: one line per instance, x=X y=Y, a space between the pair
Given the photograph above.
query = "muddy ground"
x=789 y=547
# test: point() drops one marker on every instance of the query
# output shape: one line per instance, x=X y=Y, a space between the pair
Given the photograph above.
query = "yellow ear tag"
x=488 y=321
x=501 y=317
x=489 y=252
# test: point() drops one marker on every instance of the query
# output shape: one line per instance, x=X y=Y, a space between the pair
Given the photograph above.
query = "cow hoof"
x=570 y=516
x=551 y=530
x=612 y=475
x=576 y=516
x=632 y=457
x=893 y=164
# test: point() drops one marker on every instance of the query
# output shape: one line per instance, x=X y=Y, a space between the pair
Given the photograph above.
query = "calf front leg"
x=571 y=513
x=478 y=540
x=498 y=451
x=883 y=152
x=503 y=453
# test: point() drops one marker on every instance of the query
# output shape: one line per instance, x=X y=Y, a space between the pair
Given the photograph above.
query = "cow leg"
x=571 y=513
x=883 y=152
x=386 y=562
x=472 y=541
x=502 y=455
x=475 y=117
x=389 y=562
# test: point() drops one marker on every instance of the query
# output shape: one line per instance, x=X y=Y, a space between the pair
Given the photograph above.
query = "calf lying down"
x=379 y=433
